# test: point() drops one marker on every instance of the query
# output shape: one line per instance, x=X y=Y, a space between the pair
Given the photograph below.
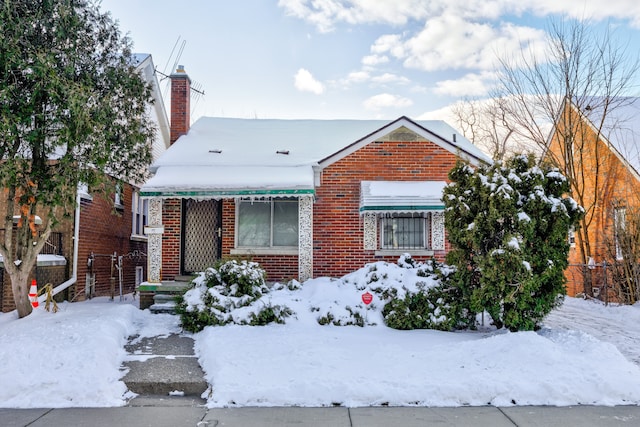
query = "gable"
x=406 y=130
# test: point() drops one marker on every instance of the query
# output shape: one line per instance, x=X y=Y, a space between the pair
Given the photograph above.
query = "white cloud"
x=357 y=77
x=449 y=42
x=386 y=100
x=471 y=85
x=326 y=14
x=389 y=78
x=391 y=43
x=375 y=60
x=305 y=82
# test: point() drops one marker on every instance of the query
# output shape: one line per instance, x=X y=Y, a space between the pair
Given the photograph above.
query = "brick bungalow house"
x=606 y=158
x=111 y=247
x=304 y=198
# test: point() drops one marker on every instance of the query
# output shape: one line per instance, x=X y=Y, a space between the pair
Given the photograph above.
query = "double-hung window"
x=267 y=223
x=620 y=224
x=140 y=212
x=399 y=231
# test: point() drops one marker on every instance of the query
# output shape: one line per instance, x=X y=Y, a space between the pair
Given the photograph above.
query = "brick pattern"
x=180 y=105
x=171 y=240
x=338 y=226
x=105 y=230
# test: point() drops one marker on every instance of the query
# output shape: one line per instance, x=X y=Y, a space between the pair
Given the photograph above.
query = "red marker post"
x=366 y=299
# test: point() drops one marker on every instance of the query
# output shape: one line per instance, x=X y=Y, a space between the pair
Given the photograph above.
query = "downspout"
x=74 y=270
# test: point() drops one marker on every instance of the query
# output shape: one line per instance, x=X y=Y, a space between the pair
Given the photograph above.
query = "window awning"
x=221 y=182
x=401 y=196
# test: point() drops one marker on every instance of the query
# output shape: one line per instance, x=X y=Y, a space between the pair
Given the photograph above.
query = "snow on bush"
x=406 y=295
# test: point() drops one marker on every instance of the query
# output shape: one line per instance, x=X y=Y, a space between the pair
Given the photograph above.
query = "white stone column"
x=370 y=225
x=305 y=238
x=437 y=230
x=154 y=231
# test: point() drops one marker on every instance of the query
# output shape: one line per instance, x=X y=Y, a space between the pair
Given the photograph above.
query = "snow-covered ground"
x=585 y=354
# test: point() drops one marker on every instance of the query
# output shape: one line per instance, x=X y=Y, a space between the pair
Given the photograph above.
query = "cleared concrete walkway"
x=163 y=365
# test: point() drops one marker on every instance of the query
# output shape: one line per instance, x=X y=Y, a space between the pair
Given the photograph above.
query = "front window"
x=140 y=211
x=270 y=223
x=405 y=231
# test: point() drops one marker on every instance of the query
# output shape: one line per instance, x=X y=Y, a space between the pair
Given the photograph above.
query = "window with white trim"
x=620 y=224
x=118 y=196
x=140 y=213
x=405 y=231
x=83 y=190
x=267 y=223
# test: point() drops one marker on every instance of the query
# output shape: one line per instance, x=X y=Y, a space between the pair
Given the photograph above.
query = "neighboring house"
x=605 y=156
x=304 y=198
x=111 y=249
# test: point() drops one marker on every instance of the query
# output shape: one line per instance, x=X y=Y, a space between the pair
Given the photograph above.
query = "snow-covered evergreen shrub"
x=431 y=308
x=231 y=292
x=426 y=303
x=508 y=225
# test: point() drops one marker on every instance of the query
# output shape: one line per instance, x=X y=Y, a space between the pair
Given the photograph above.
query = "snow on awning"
x=401 y=196
x=219 y=182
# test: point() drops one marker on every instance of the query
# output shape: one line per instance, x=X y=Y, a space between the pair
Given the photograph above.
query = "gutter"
x=74 y=270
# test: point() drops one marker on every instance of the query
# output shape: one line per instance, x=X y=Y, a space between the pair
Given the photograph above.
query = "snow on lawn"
x=73 y=357
x=305 y=364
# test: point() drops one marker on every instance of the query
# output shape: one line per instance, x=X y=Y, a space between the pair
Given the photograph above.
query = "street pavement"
x=176 y=411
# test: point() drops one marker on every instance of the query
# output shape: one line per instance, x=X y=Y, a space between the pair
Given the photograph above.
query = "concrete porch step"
x=163 y=366
x=149 y=292
x=163 y=303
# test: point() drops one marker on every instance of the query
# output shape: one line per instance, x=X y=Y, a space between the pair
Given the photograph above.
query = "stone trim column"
x=437 y=230
x=154 y=231
x=370 y=225
x=305 y=238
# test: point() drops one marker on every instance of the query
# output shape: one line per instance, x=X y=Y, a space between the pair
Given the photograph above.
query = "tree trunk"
x=20 y=286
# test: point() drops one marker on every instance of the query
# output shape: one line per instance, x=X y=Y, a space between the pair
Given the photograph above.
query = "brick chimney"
x=180 y=103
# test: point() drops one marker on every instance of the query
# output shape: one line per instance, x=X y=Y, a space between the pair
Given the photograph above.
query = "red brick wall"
x=171 y=240
x=180 y=105
x=338 y=227
x=103 y=232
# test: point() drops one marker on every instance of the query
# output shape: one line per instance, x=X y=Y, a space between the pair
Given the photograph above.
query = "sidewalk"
x=182 y=411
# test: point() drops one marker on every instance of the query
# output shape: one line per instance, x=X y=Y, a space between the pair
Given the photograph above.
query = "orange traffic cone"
x=33 y=294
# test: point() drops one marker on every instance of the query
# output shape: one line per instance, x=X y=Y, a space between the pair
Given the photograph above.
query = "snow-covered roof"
x=401 y=196
x=221 y=155
x=620 y=127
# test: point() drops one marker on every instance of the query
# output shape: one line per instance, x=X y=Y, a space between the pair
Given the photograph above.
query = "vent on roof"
x=285 y=152
x=216 y=151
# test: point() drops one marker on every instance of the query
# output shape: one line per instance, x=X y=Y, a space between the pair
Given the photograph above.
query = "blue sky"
x=357 y=59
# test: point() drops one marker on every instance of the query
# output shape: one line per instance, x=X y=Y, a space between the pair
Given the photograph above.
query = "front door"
x=201 y=238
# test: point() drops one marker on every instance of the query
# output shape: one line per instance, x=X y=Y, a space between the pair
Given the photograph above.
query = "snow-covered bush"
x=231 y=292
x=508 y=224
x=428 y=304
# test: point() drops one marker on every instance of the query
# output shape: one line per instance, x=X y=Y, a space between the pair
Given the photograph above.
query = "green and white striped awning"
x=401 y=196
x=221 y=182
